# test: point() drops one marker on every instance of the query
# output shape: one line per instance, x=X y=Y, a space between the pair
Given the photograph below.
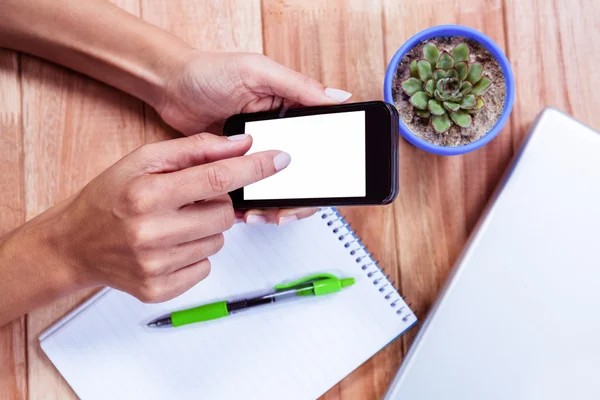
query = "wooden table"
x=59 y=129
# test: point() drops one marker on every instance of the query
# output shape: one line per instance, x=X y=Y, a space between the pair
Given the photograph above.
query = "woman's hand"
x=204 y=89
x=147 y=225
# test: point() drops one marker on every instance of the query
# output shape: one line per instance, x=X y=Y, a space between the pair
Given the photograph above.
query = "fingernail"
x=281 y=161
x=287 y=220
x=337 y=94
x=238 y=137
x=254 y=219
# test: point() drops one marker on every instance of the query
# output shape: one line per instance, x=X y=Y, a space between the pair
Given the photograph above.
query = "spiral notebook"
x=299 y=349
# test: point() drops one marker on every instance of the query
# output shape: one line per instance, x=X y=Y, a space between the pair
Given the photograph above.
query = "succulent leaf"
x=431 y=53
x=462 y=68
x=444 y=96
x=439 y=85
x=419 y=100
x=422 y=113
x=412 y=86
x=461 y=118
x=482 y=86
x=445 y=87
x=430 y=87
x=468 y=102
x=448 y=87
x=461 y=52
x=451 y=73
x=441 y=123
x=466 y=88
x=414 y=72
x=478 y=107
x=438 y=96
x=425 y=71
x=435 y=107
x=450 y=106
x=439 y=74
x=445 y=62
x=475 y=72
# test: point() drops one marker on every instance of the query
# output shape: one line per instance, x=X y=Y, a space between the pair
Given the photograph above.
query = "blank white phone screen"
x=328 y=156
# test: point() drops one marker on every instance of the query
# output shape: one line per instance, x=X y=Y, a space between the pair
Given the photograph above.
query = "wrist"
x=167 y=65
x=44 y=245
x=55 y=237
x=144 y=66
x=33 y=271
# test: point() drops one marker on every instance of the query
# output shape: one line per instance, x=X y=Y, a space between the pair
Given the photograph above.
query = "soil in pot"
x=482 y=122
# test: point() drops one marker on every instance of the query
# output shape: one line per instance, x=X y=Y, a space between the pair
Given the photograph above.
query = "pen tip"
x=163 y=322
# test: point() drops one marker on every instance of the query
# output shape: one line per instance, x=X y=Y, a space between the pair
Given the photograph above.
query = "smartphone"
x=344 y=154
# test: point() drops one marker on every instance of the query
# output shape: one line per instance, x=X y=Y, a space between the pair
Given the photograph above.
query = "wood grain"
x=441 y=198
x=13 y=356
x=74 y=128
x=553 y=53
x=340 y=43
x=70 y=128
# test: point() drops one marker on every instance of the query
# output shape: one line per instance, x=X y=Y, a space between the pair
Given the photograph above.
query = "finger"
x=221 y=177
x=239 y=217
x=185 y=278
x=286 y=216
x=278 y=216
x=259 y=217
x=177 y=154
x=194 y=221
x=191 y=252
x=275 y=79
x=170 y=286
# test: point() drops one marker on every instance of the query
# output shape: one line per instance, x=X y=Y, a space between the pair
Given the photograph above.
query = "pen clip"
x=308 y=279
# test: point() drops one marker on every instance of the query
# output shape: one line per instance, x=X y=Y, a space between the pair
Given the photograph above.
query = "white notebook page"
x=297 y=349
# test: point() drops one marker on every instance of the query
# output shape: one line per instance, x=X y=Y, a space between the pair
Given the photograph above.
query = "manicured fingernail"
x=254 y=219
x=287 y=220
x=238 y=137
x=281 y=161
x=337 y=94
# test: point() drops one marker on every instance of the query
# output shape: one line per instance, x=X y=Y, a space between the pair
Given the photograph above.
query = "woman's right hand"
x=147 y=224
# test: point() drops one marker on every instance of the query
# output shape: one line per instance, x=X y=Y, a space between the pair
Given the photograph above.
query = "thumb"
x=177 y=154
x=278 y=80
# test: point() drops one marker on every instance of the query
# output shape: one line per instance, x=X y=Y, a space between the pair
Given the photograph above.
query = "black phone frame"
x=381 y=147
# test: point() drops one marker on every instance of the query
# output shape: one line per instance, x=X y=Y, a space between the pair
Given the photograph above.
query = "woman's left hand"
x=207 y=88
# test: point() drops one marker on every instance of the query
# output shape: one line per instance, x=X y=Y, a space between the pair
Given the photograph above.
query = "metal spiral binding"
x=380 y=279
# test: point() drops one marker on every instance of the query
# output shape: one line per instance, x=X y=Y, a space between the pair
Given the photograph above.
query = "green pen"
x=314 y=285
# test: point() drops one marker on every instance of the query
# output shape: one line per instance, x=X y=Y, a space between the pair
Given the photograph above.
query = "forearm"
x=95 y=38
x=32 y=270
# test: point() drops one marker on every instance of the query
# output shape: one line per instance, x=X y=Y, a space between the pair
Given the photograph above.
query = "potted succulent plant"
x=453 y=88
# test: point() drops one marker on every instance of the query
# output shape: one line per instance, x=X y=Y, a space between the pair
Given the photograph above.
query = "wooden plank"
x=552 y=46
x=340 y=43
x=74 y=128
x=13 y=356
x=441 y=198
x=215 y=25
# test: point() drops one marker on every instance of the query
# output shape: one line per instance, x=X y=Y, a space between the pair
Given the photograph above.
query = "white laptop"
x=519 y=318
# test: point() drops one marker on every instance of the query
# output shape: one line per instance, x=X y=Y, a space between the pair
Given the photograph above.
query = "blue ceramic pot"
x=446 y=31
